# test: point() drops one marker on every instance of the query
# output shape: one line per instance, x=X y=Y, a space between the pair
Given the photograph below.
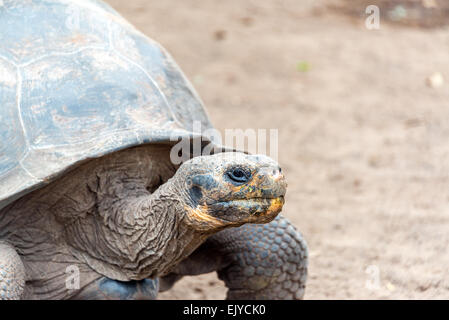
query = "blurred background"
x=363 y=127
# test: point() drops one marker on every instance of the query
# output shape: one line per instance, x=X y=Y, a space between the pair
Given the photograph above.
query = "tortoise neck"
x=139 y=237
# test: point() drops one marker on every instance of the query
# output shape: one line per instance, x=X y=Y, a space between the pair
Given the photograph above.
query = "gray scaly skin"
x=131 y=217
x=267 y=261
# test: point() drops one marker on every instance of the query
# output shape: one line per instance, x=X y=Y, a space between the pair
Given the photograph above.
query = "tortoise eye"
x=239 y=175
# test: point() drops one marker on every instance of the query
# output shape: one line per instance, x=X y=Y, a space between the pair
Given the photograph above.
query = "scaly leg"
x=256 y=261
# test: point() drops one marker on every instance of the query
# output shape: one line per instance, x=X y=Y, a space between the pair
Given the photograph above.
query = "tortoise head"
x=230 y=189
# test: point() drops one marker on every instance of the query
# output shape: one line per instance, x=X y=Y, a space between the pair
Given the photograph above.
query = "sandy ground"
x=364 y=142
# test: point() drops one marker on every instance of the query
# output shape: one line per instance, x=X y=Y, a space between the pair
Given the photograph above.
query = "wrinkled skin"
x=128 y=219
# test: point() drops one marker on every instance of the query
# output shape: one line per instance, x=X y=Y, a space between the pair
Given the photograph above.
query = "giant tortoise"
x=92 y=205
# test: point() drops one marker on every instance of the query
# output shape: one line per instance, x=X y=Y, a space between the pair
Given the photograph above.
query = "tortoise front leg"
x=12 y=273
x=255 y=261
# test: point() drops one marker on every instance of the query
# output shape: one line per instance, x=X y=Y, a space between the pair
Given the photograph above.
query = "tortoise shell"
x=77 y=81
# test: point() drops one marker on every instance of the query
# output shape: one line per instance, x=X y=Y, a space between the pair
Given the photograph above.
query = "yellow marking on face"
x=275 y=206
x=200 y=214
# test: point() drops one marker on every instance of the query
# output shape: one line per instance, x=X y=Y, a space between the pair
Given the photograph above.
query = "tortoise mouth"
x=250 y=210
x=255 y=199
x=235 y=212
